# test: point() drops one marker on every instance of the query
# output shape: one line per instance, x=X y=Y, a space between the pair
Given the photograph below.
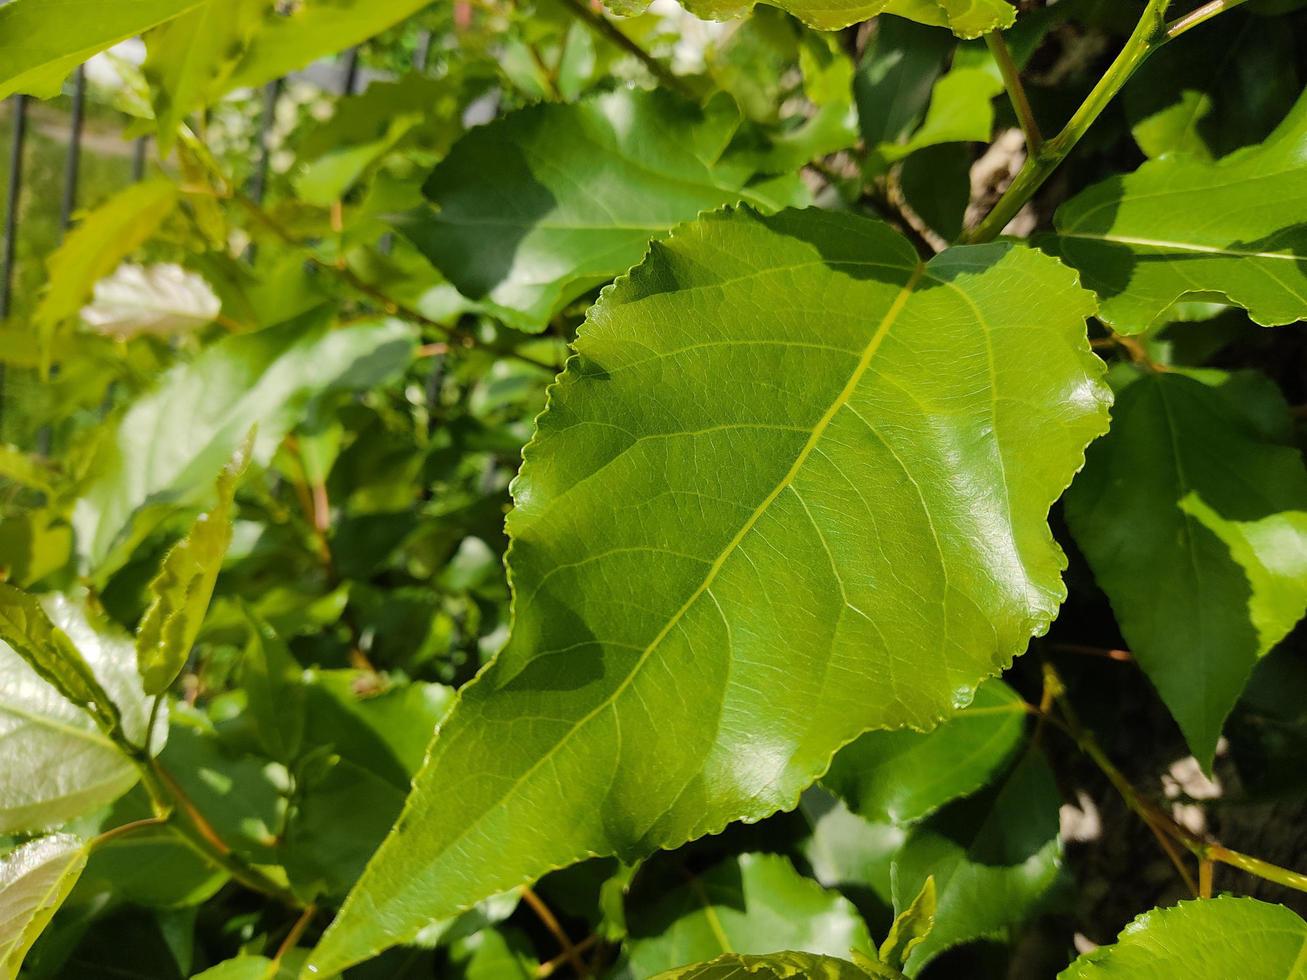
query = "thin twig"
x=296 y=931
x=1107 y=653
x=1016 y=92
x=1205 y=878
x=1195 y=17
x=550 y=967
x=547 y=917
x=605 y=28
x=128 y=828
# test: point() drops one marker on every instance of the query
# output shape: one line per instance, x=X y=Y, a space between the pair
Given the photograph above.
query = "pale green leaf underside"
x=754 y=903
x=35 y=878
x=902 y=777
x=1195 y=526
x=41 y=41
x=1211 y=939
x=535 y=208
x=773 y=966
x=793 y=486
x=1181 y=227
x=55 y=764
x=966 y=18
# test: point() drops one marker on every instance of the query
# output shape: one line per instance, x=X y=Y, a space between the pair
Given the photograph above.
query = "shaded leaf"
x=1207 y=939
x=180 y=592
x=902 y=777
x=772 y=966
x=35 y=878
x=966 y=18
x=1195 y=525
x=158 y=299
x=535 y=208
x=172 y=441
x=29 y=471
x=754 y=903
x=271 y=678
x=1138 y=245
x=694 y=573
x=38 y=50
x=993 y=859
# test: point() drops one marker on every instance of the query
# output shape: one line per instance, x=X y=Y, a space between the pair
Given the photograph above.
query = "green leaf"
x=189 y=58
x=38 y=49
x=493 y=954
x=772 y=966
x=313 y=29
x=902 y=777
x=55 y=762
x=172 y=441
x=1207 y=939
x=162 y=300
x=717 y=588
x=894 y=82
x=966 y=18
x=1195 y=525
x=1138 y=245
x=754 y=903
x=181 y=591
x=101 y=240
x=28 y=631
x=28 y=471
x=993 y=858
x=35 y=879
x=537 y=207
x=911 y=927
x=271 y=678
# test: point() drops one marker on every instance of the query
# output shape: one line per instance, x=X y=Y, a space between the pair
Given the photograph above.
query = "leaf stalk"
x=1016 y=91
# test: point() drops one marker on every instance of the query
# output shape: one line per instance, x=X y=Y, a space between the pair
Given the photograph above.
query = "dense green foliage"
x=628 y=495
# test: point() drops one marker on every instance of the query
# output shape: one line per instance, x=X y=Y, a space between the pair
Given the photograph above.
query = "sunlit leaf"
x=35 y=878
x=157 y=299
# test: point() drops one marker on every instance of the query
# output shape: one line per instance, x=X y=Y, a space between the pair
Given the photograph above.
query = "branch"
x=1016 y=92
x=570 y=951
x=1195 y=17
x=606 y=29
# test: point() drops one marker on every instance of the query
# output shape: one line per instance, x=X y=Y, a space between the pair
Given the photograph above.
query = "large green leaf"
x=1184 y=227
x=993 y=858
x=34 y=881
x=190 y=57
x=311 y=30
x=773 y=966
x=40 y=43
x=55 y=762
x=1209 y=939
x=896 y=77
x=539 y=206
x=181 y=591
x=171 y=442
x=1194 y=521
x=904 y=776
x=792 y=487
x=28 y=631
x=754 y=903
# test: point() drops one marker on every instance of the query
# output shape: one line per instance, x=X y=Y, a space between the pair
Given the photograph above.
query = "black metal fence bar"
x=8 y=260
x=73 y=172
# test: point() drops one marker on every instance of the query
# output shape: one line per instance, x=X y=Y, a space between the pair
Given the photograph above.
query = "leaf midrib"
x=1180 y=246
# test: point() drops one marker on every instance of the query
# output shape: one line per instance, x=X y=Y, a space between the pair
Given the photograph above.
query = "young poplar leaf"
x=831 y=518
x=93 y=249
x=773 y=966
x=901 y=777
x=181 y=590
x=535 y=208
x=173 y=440
x=56 y=763
x=35 y=878
x=190 y=57
x=158 y=299
x=910 y=927
x=1138 y=245
x=1195 y=524
x=896 y=77
x=754 y=903
x=39 y=46
x=993 y=857
x=1205 y=939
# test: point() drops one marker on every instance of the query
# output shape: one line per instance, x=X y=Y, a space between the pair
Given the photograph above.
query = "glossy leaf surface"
x=773 y=966
x=35 y=878
x=1184 y=227
x=1210 y=939
x=740 y=549
x=1194 y=521
x=966 y=18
